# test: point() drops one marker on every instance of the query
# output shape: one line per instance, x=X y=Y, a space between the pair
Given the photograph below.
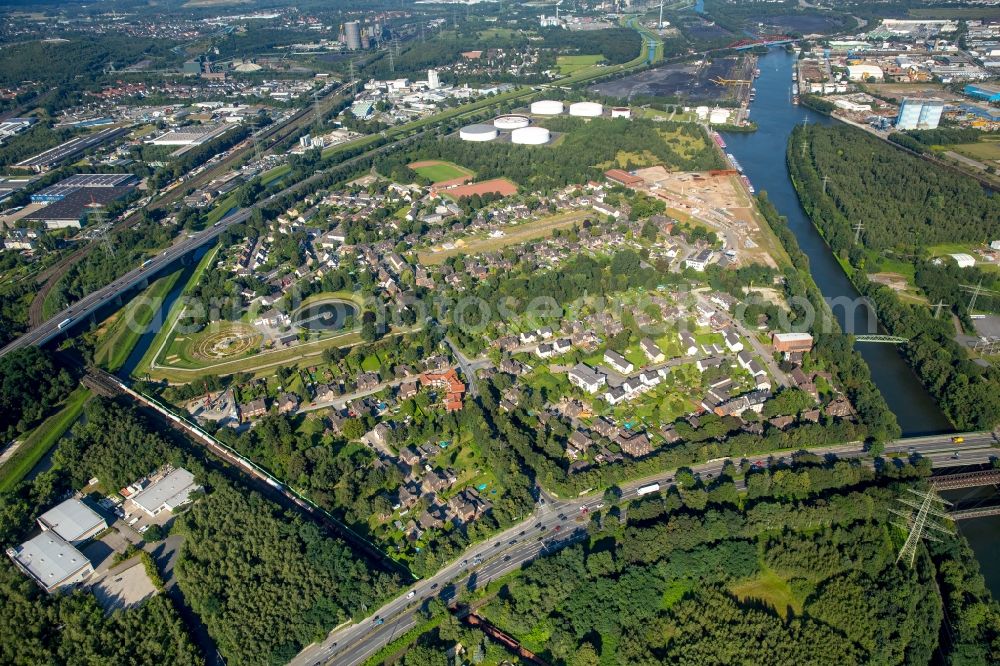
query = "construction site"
x=716 y=199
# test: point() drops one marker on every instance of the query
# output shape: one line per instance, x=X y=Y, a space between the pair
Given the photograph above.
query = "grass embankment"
x=175 y=311
x=41 y=439
x=571 y=64
x=131 y=322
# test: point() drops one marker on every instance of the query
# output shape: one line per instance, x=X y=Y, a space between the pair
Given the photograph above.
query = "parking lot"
x=125 y=586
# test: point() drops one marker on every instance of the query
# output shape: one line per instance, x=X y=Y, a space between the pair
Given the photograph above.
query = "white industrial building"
x=189 y=136
x=433 y=79
x=51 y=561
x=963 y=260
x=864 y=72
x=546 y=107
x=172 y=491
x=73 y=521
x=621 y=112
x=919 y=113
x=531 y=136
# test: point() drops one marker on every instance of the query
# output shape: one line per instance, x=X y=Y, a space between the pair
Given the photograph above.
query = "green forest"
x=904 y=204
x=263 y=580
x=74 y=629
x=803 y=570
x=31 y=385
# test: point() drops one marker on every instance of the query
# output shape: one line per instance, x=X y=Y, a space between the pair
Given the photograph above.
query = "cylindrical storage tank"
x=546 y=107
x=479 y=132
x=531 y=136
x=511 y=122
x=586 y=109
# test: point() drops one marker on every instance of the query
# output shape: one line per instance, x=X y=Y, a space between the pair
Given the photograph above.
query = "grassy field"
x=570 y=64
x=41 y=439
x=170 y=319
x=131 y=322
x=512 y=236
x=773 y=590
x=985 y=151
x=439 y=172
x=956 y=13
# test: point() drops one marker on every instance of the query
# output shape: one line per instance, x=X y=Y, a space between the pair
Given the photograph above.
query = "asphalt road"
x=553 y=523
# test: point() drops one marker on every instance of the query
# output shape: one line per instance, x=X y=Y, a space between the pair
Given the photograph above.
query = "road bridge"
x=989 y=477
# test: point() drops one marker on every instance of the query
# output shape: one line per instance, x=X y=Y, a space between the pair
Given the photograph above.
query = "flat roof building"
x=791 y=342
x=168 y=493
x=51 y=561
x=73 y=521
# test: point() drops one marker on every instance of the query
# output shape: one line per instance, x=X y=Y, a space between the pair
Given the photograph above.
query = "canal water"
x=762 y=155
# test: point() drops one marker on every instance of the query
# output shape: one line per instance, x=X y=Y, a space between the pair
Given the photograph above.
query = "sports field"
x=500 y=186
x=570 y=64
x=440 y=172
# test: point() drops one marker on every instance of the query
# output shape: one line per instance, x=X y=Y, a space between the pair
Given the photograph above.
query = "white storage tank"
x=586 y=109
x=479 y=132
x=547 y=107
x=531 y=136
x=511 y=122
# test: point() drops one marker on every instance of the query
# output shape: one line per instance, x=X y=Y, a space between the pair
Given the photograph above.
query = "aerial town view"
x=452 y=332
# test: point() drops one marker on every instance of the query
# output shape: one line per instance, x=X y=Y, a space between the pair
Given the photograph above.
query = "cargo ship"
x=753 y=94
x=718 y=140
x=746 y=181
x=735 y=162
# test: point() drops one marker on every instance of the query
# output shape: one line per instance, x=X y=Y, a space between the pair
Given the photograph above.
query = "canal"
x=762 y=155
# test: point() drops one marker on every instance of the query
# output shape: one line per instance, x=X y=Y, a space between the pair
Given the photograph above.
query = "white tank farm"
x=547 y=107
x=586 y=109
x=531 y=136
x=479 y=132
x=511 y=122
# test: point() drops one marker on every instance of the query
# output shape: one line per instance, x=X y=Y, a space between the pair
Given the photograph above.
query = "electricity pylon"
x=919 y=524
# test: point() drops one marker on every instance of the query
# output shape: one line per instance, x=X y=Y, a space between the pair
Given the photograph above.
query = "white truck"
x=645 y=490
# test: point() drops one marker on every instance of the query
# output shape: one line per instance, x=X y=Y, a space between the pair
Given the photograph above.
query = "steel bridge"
x=986 y=477
x=882 y=339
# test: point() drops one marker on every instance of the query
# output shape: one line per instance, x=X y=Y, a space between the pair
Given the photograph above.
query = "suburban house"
x=584 y=377
x=652 y=351
x=618 y=362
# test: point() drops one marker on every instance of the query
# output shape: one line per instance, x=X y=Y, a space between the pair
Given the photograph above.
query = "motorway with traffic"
x=556 y=522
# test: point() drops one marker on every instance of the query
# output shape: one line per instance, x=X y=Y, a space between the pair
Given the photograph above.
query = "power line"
x=920 y=523
x=940 y=305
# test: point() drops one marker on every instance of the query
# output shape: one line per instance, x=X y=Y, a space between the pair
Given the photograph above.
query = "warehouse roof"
x=169 y=492
x=49 y=559
x=71 y=520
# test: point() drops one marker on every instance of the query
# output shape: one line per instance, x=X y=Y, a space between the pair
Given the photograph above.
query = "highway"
x=553 y=524
x=90 y=303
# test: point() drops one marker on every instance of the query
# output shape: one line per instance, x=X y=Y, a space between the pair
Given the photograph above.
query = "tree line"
x=904 y=204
